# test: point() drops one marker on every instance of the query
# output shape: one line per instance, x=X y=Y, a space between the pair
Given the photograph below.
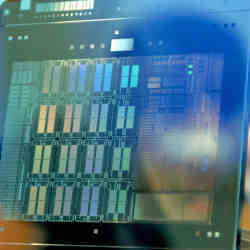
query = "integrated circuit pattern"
x=101 y=139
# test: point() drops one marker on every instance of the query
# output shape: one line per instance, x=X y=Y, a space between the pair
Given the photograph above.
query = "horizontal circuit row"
x=110 y=202
x=78 y=77
x=86 y=201
x=75 y=160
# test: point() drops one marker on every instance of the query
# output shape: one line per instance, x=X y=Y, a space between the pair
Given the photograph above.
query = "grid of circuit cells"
x=79 y=168
x=86 y=121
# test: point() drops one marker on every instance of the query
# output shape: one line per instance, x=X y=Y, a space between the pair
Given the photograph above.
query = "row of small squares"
x=65 y=6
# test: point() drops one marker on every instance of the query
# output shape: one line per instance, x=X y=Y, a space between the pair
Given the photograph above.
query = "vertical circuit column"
x=98 y=78
x=85 y=201
x=94 y=203
x=99 y=159
x=108 y=77
x=77 y=118
x=58 y=201
x=68 y=118
x=118 y=202
x=67 y=201
x=51 y=119
x=72 y=78
x=90 y=206
x=72 y=159
x=94 y=118
x=103 y=118
x=16 y=132
x=82 y=78
x=47 y=78
x=37 y=201
x=89 y=162
x=125 y=76
x=63 y=159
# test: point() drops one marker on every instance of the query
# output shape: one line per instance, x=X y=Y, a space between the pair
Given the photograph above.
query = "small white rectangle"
x=124 y=44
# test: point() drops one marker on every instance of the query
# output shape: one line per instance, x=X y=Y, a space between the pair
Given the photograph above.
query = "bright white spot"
x=217 y=235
